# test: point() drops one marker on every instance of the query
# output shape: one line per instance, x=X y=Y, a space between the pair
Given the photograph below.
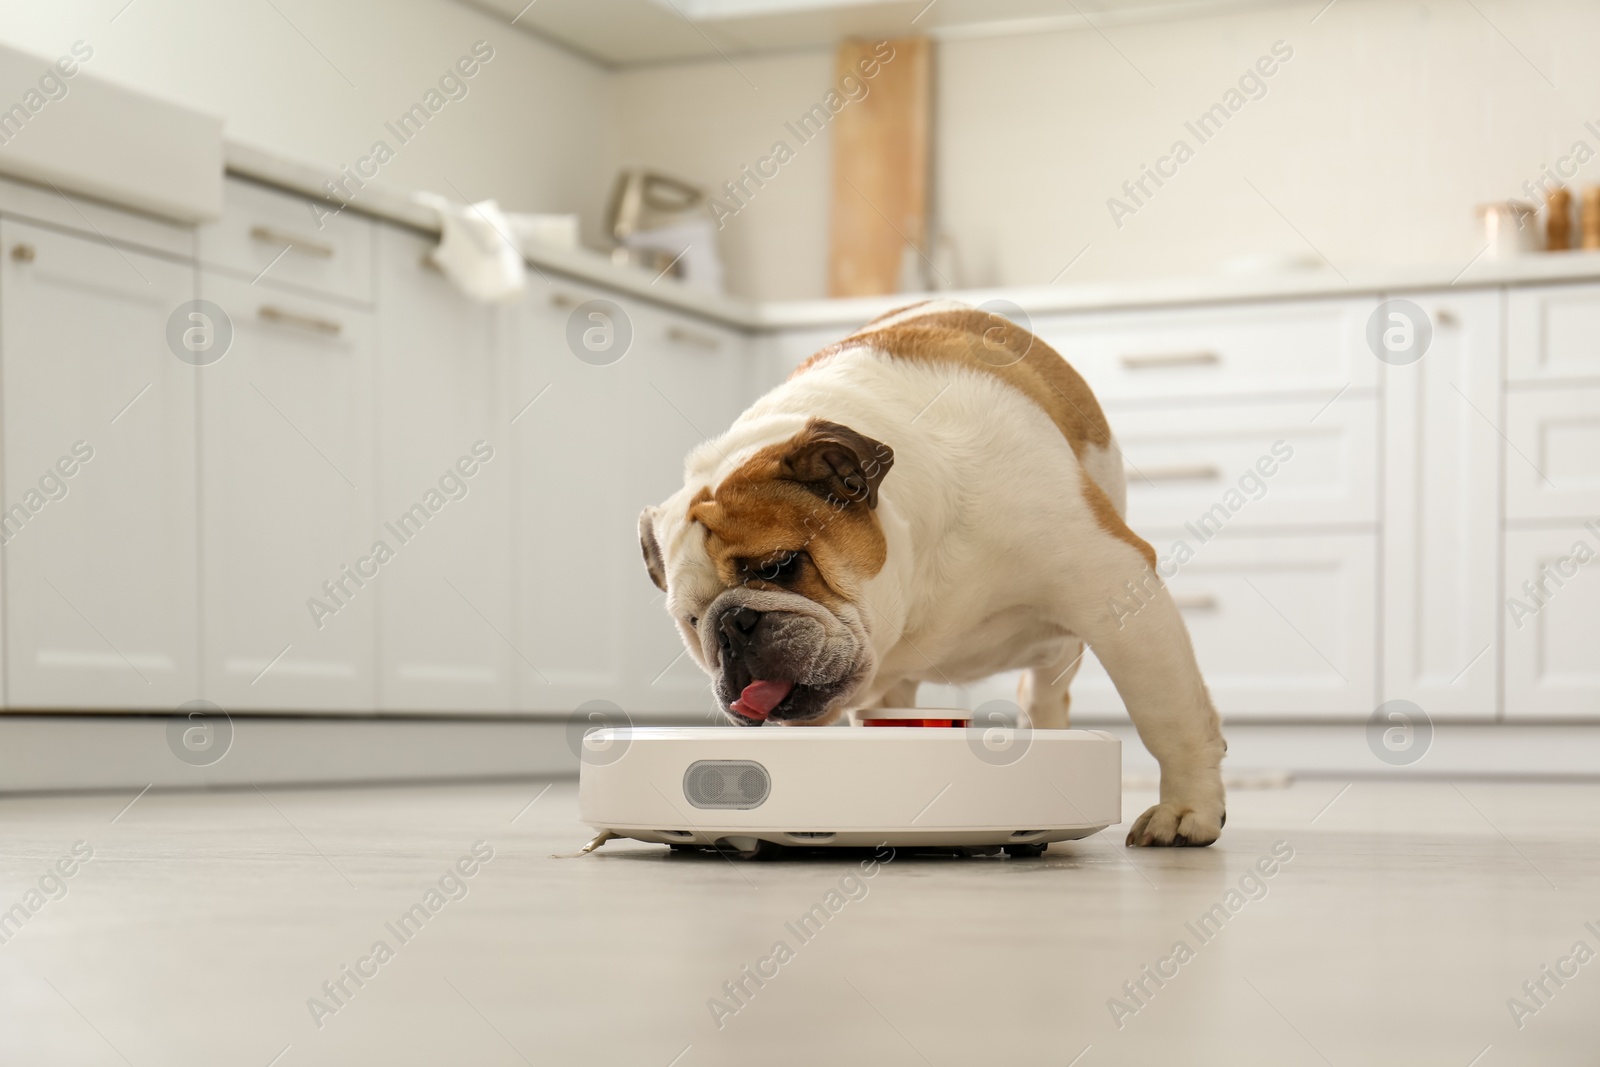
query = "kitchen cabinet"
x=1552 y=468
x=1441 y=531
x=220 y=534
x=1551 y=668
x=1553 y=334
x=1281 y=464
x=289 y=528
x=692 y=382
x=1313 y=347
x=283 y=241
x=446 y=480
x=99 y=436
x=1284 y=628
x=599 y=434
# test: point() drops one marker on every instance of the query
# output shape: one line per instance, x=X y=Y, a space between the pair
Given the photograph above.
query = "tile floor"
x=205 y=925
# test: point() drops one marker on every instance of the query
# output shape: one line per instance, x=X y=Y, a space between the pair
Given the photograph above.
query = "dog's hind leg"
x=1042 y=692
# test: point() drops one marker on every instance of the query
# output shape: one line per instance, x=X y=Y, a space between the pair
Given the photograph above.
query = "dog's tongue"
x=759 y=698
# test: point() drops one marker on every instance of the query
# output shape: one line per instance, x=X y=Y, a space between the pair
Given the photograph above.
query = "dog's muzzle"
x=778 y=656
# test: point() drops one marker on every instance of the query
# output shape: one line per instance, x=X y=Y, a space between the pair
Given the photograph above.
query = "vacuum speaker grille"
x=726 y=783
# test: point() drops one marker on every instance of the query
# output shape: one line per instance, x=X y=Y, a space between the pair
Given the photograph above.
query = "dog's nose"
x=735 y=628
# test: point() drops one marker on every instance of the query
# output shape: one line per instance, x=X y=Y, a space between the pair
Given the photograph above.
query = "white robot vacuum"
x=914 y=779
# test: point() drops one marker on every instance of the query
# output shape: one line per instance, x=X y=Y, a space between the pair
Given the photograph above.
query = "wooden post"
x=880 y=166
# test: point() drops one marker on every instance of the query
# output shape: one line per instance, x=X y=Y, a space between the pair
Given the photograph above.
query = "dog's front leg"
x=1143 y=644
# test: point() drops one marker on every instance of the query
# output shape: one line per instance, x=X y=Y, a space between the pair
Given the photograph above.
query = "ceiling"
x=627 y=33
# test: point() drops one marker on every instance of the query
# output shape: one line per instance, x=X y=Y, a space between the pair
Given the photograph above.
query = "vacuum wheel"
x=1027 y=852
x=748 y=848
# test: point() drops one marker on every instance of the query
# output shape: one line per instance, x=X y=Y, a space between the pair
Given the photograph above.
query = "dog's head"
x=763 y=572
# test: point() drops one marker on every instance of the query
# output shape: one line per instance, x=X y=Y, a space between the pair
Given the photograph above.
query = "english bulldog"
x=937 y=497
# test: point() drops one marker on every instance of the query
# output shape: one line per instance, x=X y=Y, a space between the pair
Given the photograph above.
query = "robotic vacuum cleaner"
x=913 y=778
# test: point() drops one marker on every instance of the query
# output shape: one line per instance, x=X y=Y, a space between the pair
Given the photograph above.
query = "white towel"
x=477 y=249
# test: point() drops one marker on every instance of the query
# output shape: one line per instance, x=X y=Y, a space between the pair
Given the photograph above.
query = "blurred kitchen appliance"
x=645 y=200
x=1589 y=217
x=661 y=224
x=1508 y=228
x=1558 y=219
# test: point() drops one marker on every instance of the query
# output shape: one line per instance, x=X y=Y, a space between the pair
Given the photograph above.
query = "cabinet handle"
x=305 y=322
x=693 y=337
x=1199 y=473
x=564 y=301
x=22 y=253
x=268 y=235
x=1195 y=603
x=1156 y=360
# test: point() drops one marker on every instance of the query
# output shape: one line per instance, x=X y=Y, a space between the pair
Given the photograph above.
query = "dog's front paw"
x=1175 y=825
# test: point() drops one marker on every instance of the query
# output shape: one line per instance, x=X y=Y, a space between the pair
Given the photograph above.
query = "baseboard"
x=1343 y=750
x=64 y=752
x=79 y=752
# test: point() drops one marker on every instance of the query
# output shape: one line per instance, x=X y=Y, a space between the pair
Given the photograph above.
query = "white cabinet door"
x=606 y=436
x=691 y=382
x=445 y=479
x=1283 y=628
x=290 y=533
x=1553 y=333
x=99 y=526
x=1441 y=531
x=1553 y=465
x=1552 y=606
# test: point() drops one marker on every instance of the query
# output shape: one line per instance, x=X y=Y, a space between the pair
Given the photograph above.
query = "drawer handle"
x=1197 y=473
x=564 y=301
x=305 y=322
x=267 y=235
x=693 y=337
x=1195 y=603
x=1157 y=360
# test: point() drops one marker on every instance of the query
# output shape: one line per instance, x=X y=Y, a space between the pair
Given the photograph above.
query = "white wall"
x=535 y=128
x=704 y=121
x=1392 y=120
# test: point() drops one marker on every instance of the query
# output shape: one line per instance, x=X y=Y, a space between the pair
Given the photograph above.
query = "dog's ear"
x=837 y=463
x=652 y=549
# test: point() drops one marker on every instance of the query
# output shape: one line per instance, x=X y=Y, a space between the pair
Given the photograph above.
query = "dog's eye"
x=694 y=621
x=784 y=567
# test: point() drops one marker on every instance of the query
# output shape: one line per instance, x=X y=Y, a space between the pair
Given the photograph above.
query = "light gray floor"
x=1407 y=917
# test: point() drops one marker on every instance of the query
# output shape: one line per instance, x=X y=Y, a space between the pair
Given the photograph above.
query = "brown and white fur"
x=935 y=498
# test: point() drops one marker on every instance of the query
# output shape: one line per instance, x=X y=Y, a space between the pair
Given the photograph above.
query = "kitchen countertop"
x=587 y=265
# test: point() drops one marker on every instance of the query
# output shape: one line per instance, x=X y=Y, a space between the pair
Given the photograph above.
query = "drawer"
x=1553 y=464
x=1550 y=666
x=95 y=220
x=273 y=238
x=1283 y=627
x=1208 y=467
x=1553 y=333
x=1306 y=347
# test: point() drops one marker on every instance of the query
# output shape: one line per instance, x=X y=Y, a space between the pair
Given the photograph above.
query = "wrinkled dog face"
x=763 y=573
